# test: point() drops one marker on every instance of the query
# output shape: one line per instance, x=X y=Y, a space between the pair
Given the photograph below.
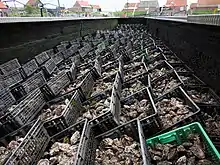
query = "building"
x=84 y=6
x=148 y=5
x=205 y=5
x=130 y=7
x=177 y=5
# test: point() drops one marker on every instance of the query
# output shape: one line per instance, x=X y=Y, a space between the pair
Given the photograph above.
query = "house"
x=130 y=7
x=176 y=5
x=205 y=5
x=84 y=6
x=148 y=5
x=96 y=8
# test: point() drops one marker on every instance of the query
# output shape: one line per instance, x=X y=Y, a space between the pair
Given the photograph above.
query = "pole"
x=58 y=1
x=127 y=9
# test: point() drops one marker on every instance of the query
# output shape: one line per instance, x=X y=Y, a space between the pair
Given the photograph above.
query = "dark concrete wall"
x=197 y=45
x=25 y=40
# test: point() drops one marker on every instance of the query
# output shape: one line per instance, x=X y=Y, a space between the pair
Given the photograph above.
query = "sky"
x=106 y=5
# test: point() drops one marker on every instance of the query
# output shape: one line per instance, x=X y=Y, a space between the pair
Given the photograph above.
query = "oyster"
x=172 y=110
x=135 y=109
x=54 y=110
x=132 y=88
x=62 y=153
x=136 y=70
x=212 y=124
x=118 y=151
x=163 y=86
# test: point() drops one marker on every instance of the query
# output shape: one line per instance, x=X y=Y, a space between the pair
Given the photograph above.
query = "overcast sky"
x=106 y=5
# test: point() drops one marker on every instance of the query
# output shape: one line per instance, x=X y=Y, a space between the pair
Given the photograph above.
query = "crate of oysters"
x=61 y=112
x=67 y=147
x=6 y=100
x=27 y=109
x=175 y=109
x=164 y=83
x=27 y=150
x=189 y=144
x=138 y=105
x=55 y=85
x=49 y=68
x=70 y=68
x=11 y=141
x=121 y=145
x=104 y=113
x=181 y=67
x=29 y=68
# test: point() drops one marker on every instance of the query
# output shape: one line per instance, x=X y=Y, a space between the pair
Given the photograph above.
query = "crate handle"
x=168 y=138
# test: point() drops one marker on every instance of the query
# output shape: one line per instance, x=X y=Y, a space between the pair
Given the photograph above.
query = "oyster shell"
x=118 y=151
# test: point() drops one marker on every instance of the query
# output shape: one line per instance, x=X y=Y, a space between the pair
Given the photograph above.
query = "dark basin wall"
x=25 y=40
x=197 y=45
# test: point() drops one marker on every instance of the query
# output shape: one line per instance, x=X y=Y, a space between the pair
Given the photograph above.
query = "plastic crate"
x=202 y=89
x=181 y=67
x=131 y=129
x=87 y=84
x=143 y=78
x=6 y=99
x=140 y=95
x=84 y=130
x=35 y=81
x=30 y=67
x=168 y=77
x=13 y=77
x=56 y=84
x=49 y=67
x=28 y=108
x=179 y=135
x=41 y=58
x=180 y=93
x=50 y=52
x=156 y=72
x=10 y=66
x=72 y=72
x=68 y=117
x=188 y=78
x=57 y=58
x=31 y=147
x=20 y=132
x=109 y=119
x=61 y=47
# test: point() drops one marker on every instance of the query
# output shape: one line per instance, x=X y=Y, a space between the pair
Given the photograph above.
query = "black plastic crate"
x=160 y=69
x=37 y=80
x=109 y=119
x=41 y=58
x=26 y=110
x=61 y=47
x=189 y=78
x=6 y=100
x=135 y=99
x=134 y=70
x=131 y=129
x=49 y=67
x=13 y=77
x=181 y=67
x=20 y=133
x=54 y=86
x=135 y=84
x=209 y=97
x=194 y=109
x=87 y=84
x=73 y=109
x=83 y=129
x=30 y=67
x=10 y=66
x=30 y=148
x=164 y=84
x=57 y=58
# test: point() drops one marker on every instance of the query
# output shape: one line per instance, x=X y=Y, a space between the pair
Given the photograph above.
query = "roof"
x=208 y=2
x=193 y=5
x=3 y=6
x=171 y=3
x=83 y=3
x=128 y=5
x=96 y=7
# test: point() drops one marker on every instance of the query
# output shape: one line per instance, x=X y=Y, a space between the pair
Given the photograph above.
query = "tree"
x=31 y=9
